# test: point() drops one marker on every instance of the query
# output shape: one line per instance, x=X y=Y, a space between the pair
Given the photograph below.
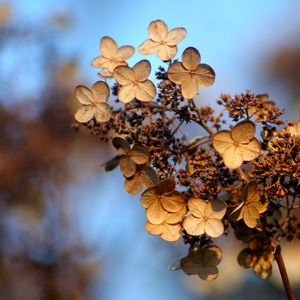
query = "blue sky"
x=235 y=38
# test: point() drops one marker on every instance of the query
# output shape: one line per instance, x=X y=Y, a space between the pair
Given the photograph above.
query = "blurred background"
x=67 y=230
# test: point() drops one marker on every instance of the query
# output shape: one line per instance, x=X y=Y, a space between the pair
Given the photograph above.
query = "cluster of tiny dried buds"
x=221 y=180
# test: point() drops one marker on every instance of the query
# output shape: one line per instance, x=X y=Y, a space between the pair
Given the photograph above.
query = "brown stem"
x=283 y=273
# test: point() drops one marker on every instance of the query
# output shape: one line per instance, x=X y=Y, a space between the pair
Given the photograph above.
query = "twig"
x=283 y=273
x=200 y=122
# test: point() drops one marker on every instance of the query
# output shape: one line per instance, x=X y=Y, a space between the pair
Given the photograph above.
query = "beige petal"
x=145 y=91
x=232 y=157
x=262 y=267
x=158 y=30
x=139 y=154
x=172 y=202
x=175 y=36
x=101 y=62
x=102 y=112
x=83 y=94
x=135 y=184
x=166 y=52
x=222 y=141
x=148 y=197
x=100 y=91
x=84 y=113
x=205 y=75
x=197 y=207
x=154 y=229
x=297 y=127
x=215 y=209
x=127 y=166
x=127 y=93
x=249 y=193
x=193 y=226
x=191 y=58
x=243 y=132
x=142 y=70
x=155 y=213
x=124 y=75
x=176 y=72
x=114 y=64
x=105 y=73
x=149 y=47
x=124 y=53
x=171 y=233
x=250 y=215
x=214 y=227
x=251 y=150
x=108 y=47
x=189 y=86
x=173 y=218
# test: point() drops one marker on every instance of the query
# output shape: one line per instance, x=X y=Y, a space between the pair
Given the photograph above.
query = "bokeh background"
x=67 y=230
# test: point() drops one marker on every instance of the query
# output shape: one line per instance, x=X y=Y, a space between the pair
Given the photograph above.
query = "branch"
x=283 y=273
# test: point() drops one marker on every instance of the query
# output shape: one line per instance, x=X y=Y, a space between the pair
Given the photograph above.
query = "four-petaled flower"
x=205 y=217
x=250 y=208
x=161 y=199
x=190 y=73
x=237 y=145
x=135 y=84
x=202 y=262
x=162 y=42
x=131 y=156
x=111 y=56
x=170 y=229
x=94 y=103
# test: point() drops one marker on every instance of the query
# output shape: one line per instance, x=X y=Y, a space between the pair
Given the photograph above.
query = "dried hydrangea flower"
x=94 y=103
x=263 y=108
x=111 y=56
x=190 y=73
x=294 y=130
x=202 y=262
x=143 y=177
x=162 y=42
x=205 y=217
x=170 y=229
x=135 y=84
x=251 y=207
x=161 y=199
x=258 y=256
x=131 y=156
x=237 y=145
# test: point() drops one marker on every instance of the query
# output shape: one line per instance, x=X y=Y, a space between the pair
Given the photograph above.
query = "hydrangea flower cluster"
x=240 y=173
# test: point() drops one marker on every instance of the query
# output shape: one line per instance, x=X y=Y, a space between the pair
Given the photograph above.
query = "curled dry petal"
x=251 y=207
